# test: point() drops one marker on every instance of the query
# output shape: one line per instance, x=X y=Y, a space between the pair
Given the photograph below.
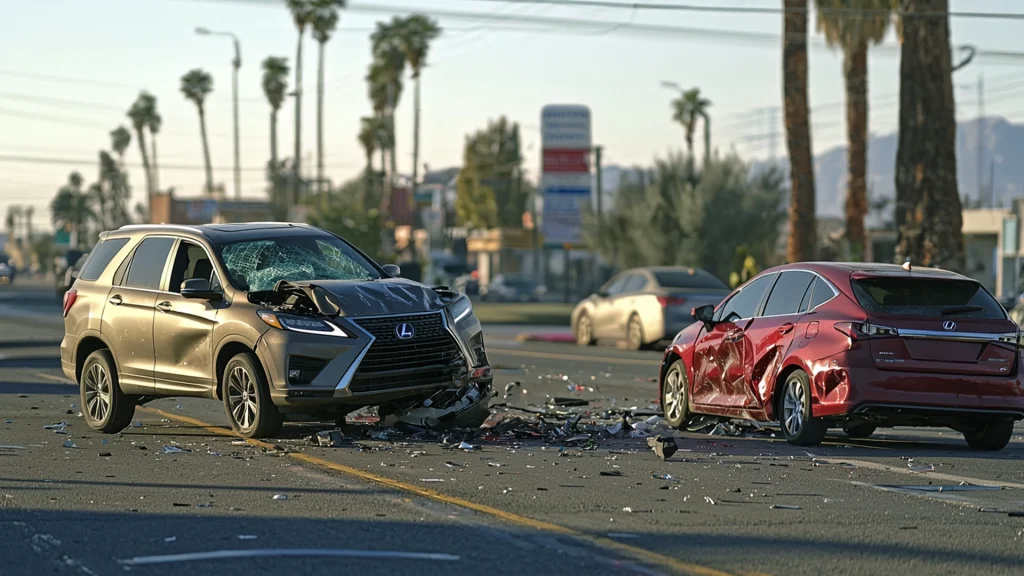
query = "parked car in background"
x=508 y=288
x=853 y=346
x=643 y=306
x=6 y=273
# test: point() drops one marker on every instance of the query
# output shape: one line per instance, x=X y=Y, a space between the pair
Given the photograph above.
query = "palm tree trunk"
x=689 y=142
x=855 y=70
x=273 y=139
x=707 y=139
x=320 y=121
x=141 y=135
x=297 y=160
x=156 y=166
x=206 y=151
x=802 y=225
x=928 y=209
x=413 y=206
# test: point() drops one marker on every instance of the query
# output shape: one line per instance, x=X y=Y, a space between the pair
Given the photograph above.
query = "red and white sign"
x=566 y=161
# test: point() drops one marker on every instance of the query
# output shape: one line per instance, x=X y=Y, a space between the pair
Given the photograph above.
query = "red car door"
x=770 y=335
x=720 y=354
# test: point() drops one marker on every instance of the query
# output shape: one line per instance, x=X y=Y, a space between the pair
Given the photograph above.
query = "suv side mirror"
x=199 y=289
x=601 y=294
x=705 y=314
x=392 y=270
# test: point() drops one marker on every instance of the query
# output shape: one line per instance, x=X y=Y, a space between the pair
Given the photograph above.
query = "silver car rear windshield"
x=927 y=297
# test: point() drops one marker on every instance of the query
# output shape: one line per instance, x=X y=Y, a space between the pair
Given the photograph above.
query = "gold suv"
x=278 y=321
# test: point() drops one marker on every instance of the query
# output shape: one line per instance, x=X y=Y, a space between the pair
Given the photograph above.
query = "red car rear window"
x=927 y=297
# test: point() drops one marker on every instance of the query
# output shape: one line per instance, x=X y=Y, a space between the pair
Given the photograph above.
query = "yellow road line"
x=648 y=556
x=495 y=351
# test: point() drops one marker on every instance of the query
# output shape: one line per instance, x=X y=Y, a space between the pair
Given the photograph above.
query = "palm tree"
x=140 y=113
x=302 y=12
x=802 y=224
x=275 y=85
x=413 y=37
x=154 y=123
x=120 y=139
x=30 y=211
x=196 y=85
x=72 y=209
x=324 y=21
x=852 y=34
x=385 y=90
x=687 y=109
x=369 y=138
x=929 y=216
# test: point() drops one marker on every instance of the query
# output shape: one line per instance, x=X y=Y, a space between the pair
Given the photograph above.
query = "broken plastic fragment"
x=467 y=446
x=785 y=507
x=173 y=450
x=280 y=497
x=69 y=443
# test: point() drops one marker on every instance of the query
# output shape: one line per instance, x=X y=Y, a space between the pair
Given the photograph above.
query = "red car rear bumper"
x=846 y=388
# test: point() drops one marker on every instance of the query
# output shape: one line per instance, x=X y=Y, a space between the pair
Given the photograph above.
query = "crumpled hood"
x=379 y=297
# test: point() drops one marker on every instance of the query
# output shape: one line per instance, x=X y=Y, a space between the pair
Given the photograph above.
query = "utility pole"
x=600 y=212
x=981 y=141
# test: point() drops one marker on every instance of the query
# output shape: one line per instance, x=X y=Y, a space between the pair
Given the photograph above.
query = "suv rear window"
x=100 y=258
x=683 y=279
x=927 y=297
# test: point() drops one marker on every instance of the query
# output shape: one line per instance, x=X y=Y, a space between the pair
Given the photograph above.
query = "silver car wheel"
x=584 y=330
x=793 y=404
x=673 y=397
x=242 y=397
x=97 y=392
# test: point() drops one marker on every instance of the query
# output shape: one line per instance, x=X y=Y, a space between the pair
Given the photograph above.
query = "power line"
x=758 y=10
x=12 y=158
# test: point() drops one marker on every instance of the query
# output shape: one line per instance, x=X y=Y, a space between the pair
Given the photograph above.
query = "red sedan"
x=815 y=346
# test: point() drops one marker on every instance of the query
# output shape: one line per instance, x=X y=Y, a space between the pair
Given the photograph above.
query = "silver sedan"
x=643 y=306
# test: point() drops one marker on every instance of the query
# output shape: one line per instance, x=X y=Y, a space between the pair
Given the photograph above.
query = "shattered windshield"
x=257 y=265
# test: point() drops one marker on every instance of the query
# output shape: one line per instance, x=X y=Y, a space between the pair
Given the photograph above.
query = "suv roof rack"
x=160 y=227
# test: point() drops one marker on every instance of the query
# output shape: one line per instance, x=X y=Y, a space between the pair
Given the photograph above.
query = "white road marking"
x=287 y=552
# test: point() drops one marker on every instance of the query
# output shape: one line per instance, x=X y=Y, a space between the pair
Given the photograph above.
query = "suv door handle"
x=786 y=328
x=164 y=306
x=115 y=300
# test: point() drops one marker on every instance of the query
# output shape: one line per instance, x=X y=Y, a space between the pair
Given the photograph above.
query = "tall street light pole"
x=236 y=65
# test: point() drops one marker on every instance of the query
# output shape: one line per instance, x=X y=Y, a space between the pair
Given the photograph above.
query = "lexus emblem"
x=405 y=331
x=949 y=325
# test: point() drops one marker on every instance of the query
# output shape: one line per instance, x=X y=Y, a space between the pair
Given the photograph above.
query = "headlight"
x=460 y=308
x=301 y=324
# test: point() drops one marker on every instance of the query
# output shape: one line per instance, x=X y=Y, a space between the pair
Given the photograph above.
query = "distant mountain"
x=1003 y=141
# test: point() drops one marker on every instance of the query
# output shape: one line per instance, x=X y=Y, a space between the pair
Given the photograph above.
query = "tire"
x=105 y=408
x=247 y=400
x=634 y=333
x=992 y=436
x=799 y=427
x=863 y=430
x=585 y=330
x=675 y=396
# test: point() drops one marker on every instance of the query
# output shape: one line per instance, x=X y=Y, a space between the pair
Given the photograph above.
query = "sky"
x=69 y=70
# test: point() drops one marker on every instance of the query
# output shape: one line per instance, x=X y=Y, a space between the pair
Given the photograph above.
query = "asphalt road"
x=733 y=505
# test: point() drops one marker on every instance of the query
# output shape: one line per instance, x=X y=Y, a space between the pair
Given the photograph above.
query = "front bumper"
x=374 y=366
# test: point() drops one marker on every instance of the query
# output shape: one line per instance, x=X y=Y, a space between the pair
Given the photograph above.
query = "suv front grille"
x=431 y=356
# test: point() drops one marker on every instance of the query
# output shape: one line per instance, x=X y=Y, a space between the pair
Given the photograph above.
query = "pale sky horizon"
x=71 y=68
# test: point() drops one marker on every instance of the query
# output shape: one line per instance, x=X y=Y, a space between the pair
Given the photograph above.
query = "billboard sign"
x=565 y=172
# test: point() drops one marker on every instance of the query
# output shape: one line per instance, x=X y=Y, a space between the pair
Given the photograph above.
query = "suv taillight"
x=864 y=330
x=69 y=300
x=666 y=301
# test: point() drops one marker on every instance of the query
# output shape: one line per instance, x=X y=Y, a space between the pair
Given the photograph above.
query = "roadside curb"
x=555 y=337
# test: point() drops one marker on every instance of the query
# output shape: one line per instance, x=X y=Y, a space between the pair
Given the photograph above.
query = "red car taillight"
x=69 y=300
x=666 y=301
x=863 y=330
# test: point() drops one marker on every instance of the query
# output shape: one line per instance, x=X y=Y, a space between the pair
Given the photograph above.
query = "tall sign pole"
x=565 y=176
